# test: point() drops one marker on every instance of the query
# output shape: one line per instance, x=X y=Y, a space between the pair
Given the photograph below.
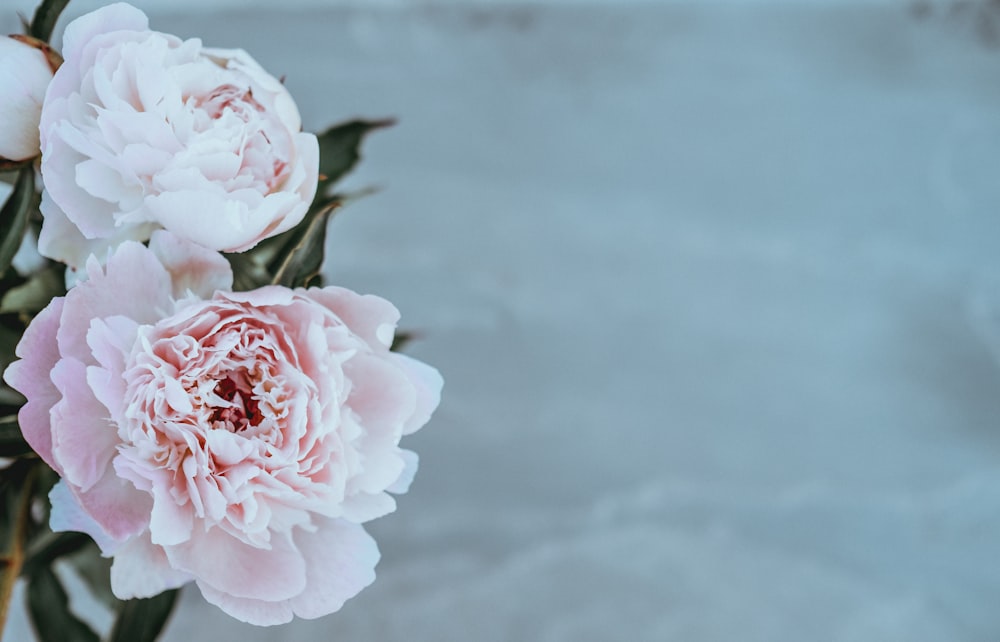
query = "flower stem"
x=13 y=558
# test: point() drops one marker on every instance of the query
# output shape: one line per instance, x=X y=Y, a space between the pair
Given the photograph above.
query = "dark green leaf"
x=35 y=293
x=338 y=149
x=14 y=216
x=299 y=261
x=142 y=620
x=45 y=18
x=11 y=397
x=401 y=340
x=9 y=338
x=51 y=548
x=12 y=443
x=17 y=488
x=48 y=606
x=95 y=571
x=11 y=479
x=249 y=271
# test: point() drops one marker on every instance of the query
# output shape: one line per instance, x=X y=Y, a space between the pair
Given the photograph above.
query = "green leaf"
x=338 y=149
x=17 y=487
x=48 y=606
x=402 y=339
x=14 y=216
x=35 y=293
x=9 y=338
x=11 y=397
x=95 y=571
x=299 y=261
x=143 y=620
x=48 y=549
x=12 y=443
x=249 y=270
x=45 y=18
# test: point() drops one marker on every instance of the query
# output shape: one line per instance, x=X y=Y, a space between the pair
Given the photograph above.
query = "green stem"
x=13 y=558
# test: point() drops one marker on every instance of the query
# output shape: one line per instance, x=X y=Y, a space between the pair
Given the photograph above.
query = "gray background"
x=715 y=289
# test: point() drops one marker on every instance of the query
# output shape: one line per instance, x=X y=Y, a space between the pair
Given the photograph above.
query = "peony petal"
x=382 y=396
x=61 y=240
x=141 y=569
x=31 y=377
x=114 y=291
x=410 y=464
x=110 y=341
x=170 y=522
x=256 y=612
x=83 y=437
x=68 y=515
x=117 y=506
x=114 y=17
x=238 y=569
x=368 y=316
x=342 y=559
x=428 y=382
x=193 y=268
x=362 y=507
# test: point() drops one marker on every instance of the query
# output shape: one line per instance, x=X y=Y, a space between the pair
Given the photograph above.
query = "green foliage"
x=14 y=216
x=338 y=150
x=401 y=340
x=17 y=487
x=48 y=606
x=293 y=259
x=142 y=620
x=34 y=294
x=45 y=18
x=299 y=261
x=50 y=546
x=12 y=443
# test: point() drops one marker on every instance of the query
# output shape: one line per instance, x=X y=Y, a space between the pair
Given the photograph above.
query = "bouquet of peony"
x=184 y=401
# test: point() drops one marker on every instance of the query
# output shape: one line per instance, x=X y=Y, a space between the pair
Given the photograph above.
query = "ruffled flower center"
x=238 y=408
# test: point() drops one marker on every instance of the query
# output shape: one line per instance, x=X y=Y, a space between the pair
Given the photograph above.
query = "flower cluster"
x=234 y=437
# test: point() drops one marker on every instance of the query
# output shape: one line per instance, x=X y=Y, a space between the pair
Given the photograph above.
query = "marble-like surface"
x=716 y=294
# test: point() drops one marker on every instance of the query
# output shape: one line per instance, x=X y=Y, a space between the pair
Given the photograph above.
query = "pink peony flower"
x=238 y=440
x=141 y=130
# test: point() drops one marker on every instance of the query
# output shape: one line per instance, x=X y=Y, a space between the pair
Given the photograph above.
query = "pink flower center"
x=265 y=151
x=241 y=409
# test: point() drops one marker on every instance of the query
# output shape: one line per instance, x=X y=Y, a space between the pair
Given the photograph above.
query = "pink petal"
x=410 y=463
x=342 y=559
x=193 y=268
x=256 y=612
x=238 y=569
x=68 y=515
x=114 y=503
x=114 y=291
x=170 y=522
x=141 y=569
x=382 y=396
x=428 y=382
x=30 y=376
x=83 y=438
x=370 y=317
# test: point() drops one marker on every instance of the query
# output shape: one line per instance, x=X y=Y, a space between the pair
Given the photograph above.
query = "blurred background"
x=715 y=289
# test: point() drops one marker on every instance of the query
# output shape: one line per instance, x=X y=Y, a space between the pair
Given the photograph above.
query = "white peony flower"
x=141 y=130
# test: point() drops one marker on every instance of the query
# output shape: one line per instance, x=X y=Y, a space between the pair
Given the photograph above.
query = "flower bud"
x=26 y=67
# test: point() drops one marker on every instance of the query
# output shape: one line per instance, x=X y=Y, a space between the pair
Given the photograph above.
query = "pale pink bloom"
x=141 y=130
x=238 y=440
x=26 y=68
